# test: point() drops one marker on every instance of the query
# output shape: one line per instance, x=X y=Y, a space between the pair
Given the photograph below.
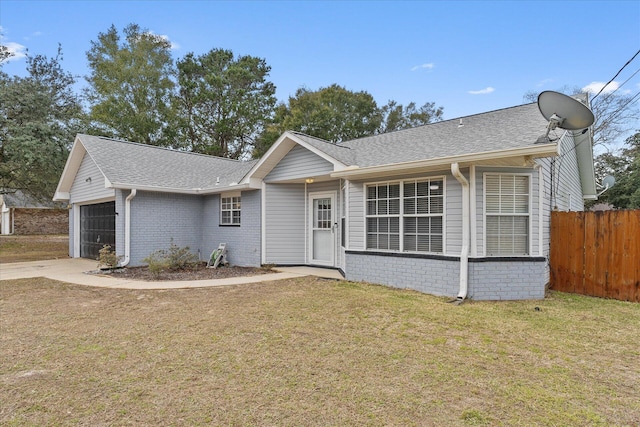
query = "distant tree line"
x=216 y=103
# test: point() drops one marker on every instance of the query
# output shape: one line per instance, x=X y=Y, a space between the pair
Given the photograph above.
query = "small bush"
x=175 y=258
x=157 y=263
x=180 y=258
x=108 y=257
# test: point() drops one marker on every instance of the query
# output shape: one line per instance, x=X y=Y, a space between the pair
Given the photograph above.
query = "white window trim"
x=230 y=195
x=484 y=213
x=401 y=215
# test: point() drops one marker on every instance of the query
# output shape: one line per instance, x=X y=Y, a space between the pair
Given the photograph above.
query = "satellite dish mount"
x=564 y=112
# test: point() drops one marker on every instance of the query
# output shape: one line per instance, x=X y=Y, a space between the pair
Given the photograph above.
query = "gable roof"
x=509 y=133
x=340 y=157
x=128 y=165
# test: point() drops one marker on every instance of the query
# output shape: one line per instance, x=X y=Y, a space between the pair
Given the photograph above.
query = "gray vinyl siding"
x=85 y=190
x=567 y=187
x=157 y=218
x=479 y=203
x=355 y=218
x=243 y=241
x=545 y=170
x=453 y=214
x=299 y=163
x=285 y=224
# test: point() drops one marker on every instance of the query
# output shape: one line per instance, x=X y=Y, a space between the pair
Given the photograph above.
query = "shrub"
x=157 y=263
x=108 y=257
x=175 y=258
x=180 y=258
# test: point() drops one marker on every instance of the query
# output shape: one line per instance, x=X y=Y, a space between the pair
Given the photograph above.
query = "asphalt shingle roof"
x=509 y=128
x=133 y=164
x=143 y=165
x=339 y=152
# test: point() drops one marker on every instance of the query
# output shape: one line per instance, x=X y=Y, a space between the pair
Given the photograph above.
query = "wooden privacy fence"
x=596 y=253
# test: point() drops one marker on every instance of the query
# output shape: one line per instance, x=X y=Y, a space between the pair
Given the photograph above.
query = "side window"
x=230 y=212
x=507 y=214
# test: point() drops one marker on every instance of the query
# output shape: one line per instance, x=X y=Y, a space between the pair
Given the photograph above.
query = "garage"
x=97 y=228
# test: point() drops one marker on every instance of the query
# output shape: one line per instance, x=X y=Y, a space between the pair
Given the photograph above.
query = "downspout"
x=464 y=254
x=127 y=228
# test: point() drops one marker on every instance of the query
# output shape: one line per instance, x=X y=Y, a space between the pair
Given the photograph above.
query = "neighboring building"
x=23 y=214
x=459 y=207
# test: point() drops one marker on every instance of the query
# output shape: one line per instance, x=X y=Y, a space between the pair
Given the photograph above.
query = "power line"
x=623 y=83
x=619 y=71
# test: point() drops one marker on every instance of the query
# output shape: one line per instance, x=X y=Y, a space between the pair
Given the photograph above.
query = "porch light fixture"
x=309 y=180
x=88 y=179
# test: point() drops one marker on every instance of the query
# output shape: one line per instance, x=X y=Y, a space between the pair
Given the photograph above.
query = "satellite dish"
x=608 y=181
x=564 y=112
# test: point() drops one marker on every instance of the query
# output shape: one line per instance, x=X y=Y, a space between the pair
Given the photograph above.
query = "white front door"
x=322 y=229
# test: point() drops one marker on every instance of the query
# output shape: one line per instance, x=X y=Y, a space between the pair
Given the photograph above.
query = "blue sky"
x=468 y=57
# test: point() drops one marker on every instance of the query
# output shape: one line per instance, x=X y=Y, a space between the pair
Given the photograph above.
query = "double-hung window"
x=507 y=214
x=423 y=209
x=230 y=210
x=406 y=215
x=383 y=216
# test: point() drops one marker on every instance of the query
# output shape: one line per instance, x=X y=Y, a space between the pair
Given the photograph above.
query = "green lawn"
x=311 y=352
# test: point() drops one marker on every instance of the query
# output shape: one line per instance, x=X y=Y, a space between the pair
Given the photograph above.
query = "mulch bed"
x=199 y=272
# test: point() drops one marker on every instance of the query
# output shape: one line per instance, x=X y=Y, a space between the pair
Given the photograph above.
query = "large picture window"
x=407 y=216
x=230 y=210
x=507 y=214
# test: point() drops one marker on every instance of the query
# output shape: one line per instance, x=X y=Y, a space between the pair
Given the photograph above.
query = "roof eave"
x=70 y=170
x=193 y=191
x=61 y=196
x=535 y=151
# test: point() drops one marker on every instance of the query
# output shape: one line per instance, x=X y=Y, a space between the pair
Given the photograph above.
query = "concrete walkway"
x=72 y=270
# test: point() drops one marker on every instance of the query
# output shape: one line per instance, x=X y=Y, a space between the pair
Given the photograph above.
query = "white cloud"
x=484 y=91
x=174 y=45
x=544 y=82
x=19 y=51
x=428 y=66
x=34 y=34
x=595 y=87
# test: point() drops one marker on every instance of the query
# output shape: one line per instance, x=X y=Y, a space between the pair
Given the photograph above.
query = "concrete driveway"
x=73 y=270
